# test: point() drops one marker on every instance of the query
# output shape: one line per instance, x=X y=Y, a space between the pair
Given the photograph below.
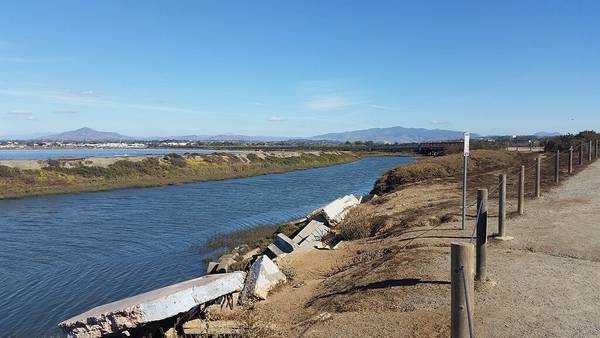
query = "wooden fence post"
x=596 y=148
x=557 y=167
x=590 y=151
x=570 y=160
x=481 y=243
x=501 y=205
x=538 y=177
x=462 y=290
x=521 y=193
x=580 y=160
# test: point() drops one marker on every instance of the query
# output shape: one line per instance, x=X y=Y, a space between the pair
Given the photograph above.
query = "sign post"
x=465 y=164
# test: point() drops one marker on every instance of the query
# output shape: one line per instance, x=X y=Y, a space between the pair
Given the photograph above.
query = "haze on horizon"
x=298 y=69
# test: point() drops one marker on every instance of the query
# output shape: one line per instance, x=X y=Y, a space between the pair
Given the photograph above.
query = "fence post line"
x=538 y=177
x=501 y=205
x=521 y=193
x=590 y=151
x=580 y=160
x=481 y=243
x=557 y=167
x=570 y=160
x=462 y=289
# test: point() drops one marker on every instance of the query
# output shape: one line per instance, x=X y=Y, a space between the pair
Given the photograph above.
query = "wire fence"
x=482 y=213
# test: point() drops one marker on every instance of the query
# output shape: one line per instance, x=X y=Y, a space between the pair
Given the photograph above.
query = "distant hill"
x=382 y=135
x=393 y=135
x=32 y=136
x=86 y=135
x=547 y=134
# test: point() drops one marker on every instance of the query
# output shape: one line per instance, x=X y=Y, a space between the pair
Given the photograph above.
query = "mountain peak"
x=87 y=134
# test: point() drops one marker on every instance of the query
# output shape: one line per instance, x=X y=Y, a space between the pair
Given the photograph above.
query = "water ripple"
x=61 y=255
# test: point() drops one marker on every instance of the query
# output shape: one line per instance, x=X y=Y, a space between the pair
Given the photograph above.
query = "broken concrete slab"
x=152 y=306
x=225 y=262
x=273 y=251
x=311 y=233
x=368 y=198
x=262 y=277
x=281 y=246
x=211 y=267
x=335 y=211
x=285 y=243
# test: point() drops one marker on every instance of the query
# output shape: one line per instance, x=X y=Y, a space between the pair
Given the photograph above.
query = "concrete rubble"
x=152 y=306
x=311 y=234
x=262 y=277
x=335 y=211
x=225 y=262
x=281 y=245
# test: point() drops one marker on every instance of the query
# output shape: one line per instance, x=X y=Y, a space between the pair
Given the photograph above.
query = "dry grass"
x=361 y=222
x=444 y=167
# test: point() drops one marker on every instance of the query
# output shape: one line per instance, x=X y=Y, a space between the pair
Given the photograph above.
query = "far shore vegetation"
x=66 y=176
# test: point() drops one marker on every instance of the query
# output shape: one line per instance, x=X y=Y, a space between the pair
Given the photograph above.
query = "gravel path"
x=545 y=282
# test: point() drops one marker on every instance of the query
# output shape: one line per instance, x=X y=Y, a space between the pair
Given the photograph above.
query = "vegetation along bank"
x=19 y=178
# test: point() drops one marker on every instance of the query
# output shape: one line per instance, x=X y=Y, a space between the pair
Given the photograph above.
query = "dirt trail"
x=544 y=283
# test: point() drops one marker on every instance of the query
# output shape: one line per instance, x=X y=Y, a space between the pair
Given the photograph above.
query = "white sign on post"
x=466 y=152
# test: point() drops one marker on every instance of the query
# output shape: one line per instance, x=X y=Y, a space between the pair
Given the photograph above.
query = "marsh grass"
x=154 y=171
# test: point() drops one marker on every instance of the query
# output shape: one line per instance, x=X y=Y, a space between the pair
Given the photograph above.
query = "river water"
x=63 y=254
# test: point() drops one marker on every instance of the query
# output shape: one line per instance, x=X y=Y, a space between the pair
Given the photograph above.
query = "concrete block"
x=152 y=306
x=273 y=251
x=225 y=262
x=335 y=211
x=284 y=243
x=262 y=277
x=311 y=233
x=211 y=268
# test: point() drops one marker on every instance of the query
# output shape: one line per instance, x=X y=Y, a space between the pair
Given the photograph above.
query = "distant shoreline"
x=24 y=178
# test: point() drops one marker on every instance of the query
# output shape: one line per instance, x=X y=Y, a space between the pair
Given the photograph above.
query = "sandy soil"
x=541 y=284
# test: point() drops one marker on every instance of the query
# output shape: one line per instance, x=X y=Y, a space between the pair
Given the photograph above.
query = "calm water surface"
x=61 y=255
x=40 y=154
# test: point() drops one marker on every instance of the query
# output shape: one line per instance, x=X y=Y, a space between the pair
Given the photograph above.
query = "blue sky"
x=284 y=68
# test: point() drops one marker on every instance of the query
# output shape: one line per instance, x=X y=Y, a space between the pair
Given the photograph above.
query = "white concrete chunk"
x=311 y=233
x=273 y=251
x=284 y=243
x=335 y=211
x=152 y=306
x=262 y=277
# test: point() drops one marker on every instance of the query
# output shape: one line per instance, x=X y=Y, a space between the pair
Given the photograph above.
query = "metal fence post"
x=462 y=290
x=481 y=244
x=557 y=167
x=521 y=193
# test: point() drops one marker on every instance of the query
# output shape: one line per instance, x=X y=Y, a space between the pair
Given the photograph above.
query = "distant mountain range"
x=393 y=135
x=382 y=135
x=546 y=134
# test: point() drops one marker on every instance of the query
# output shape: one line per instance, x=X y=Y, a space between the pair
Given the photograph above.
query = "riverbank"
x=393 y=276
x=20 y=178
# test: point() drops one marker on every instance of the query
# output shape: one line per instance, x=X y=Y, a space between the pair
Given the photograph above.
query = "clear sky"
x=298 y=68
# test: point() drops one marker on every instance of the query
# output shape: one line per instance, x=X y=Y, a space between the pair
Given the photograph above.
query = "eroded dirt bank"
x=396 y=283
